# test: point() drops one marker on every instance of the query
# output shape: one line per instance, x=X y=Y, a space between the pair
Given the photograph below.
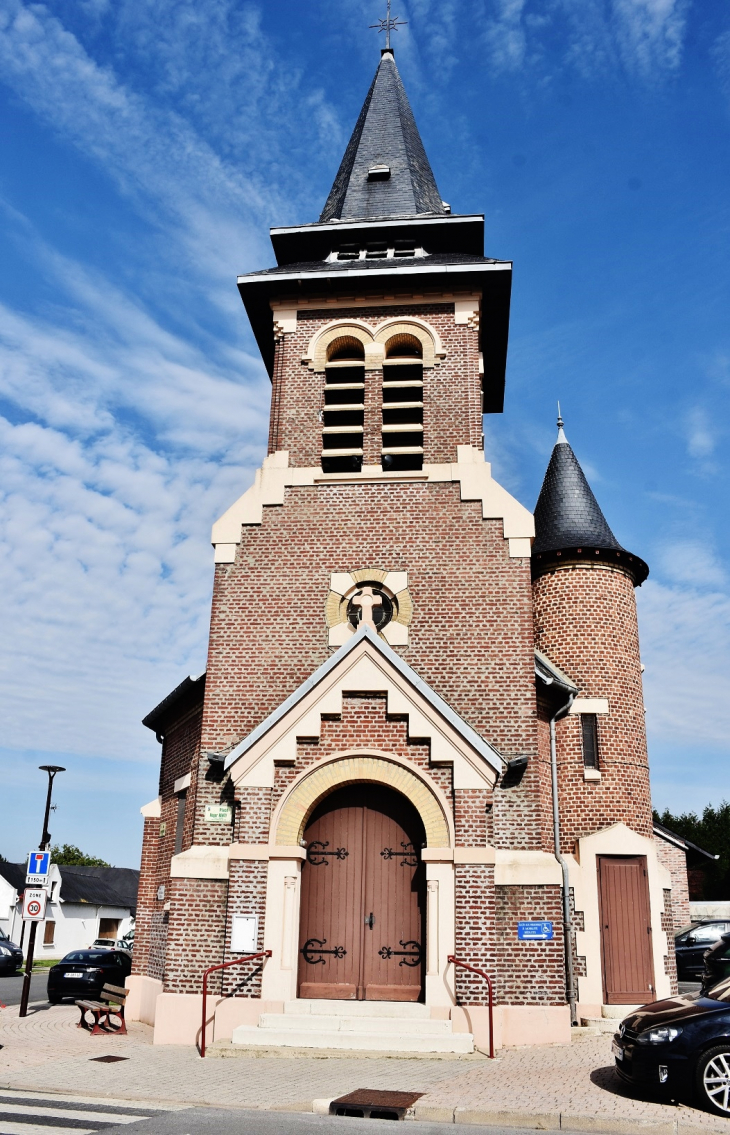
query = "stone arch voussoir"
x=367 y=767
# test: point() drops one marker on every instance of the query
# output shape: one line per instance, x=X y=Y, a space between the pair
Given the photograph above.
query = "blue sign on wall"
x=535 y=931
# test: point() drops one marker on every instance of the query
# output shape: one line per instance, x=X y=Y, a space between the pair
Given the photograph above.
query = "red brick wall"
x=668 y=926
x=471 y=637
x=195 y=934
x=675 y=861
x=524 y=973
x=476 y=933
x=145 y=897
x=180 y=749
x=529 y=972
x=246 y=895
x=585 y=622
x=451 y=390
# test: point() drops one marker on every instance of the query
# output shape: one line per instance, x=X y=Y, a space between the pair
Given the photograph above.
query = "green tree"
x=711 y=832
x=70 y=856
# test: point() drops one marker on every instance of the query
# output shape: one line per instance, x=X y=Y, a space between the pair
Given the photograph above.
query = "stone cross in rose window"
x=366 y=599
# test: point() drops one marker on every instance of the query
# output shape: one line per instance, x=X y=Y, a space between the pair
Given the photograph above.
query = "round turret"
x=586 y=624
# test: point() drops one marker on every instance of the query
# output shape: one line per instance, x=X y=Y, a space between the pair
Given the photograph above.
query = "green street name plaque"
x=218 y=813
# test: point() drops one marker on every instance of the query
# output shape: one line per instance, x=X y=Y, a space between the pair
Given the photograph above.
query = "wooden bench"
x=111 y=1004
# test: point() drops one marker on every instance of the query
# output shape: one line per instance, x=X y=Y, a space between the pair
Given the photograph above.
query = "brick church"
x=420 y=733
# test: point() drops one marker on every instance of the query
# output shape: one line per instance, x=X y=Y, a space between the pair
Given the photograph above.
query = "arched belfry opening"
x=363 y=898
x=344 y=406
x=402 y=446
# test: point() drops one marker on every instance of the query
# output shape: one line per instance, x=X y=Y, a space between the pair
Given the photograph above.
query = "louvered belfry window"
x=589 y=727
x=344 y=406
x=402 y=434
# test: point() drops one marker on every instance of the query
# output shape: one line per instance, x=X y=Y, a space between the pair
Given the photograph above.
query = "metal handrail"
x=465 y=965
x=212 y=969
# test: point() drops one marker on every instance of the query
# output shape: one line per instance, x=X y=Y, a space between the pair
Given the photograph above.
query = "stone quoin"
x=402 y=663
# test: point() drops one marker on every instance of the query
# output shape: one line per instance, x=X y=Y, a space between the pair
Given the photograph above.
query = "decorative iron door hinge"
x=317 y=856
x=411 y=957
x=408 y=857
x=316 y=946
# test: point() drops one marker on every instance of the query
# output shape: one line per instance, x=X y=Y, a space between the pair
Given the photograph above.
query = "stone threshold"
x=224 y=1049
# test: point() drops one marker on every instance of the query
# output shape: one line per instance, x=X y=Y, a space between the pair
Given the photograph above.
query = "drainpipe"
x=567 y=918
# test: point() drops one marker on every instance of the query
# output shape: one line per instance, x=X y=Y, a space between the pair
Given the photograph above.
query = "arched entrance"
x=363 y=898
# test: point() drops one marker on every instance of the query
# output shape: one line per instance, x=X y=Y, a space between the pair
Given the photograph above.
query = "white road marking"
x=68 y=1112
x=7 y=1127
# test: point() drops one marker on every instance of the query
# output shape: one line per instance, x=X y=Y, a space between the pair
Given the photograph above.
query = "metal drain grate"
x=108 y=1059
x=369 y=1103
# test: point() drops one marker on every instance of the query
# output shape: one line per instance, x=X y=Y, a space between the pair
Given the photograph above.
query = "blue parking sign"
x=535 y=931
x=39 y=866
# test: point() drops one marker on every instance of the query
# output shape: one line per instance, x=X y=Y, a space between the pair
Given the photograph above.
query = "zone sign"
x=34 y=905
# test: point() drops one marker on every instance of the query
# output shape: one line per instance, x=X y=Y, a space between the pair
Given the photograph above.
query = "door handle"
x=370 y=920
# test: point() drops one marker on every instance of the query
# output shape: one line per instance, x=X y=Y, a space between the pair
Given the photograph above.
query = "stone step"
x=577 y=1032
x=601 y=1024
x=325 y=1008
x=352 y=1041
x=384 y=1026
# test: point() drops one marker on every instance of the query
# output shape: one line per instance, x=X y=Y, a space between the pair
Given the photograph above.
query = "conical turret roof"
x=385 y=171
x=569 y=523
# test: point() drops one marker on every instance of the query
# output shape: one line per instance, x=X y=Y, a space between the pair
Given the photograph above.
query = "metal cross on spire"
x=388 y=25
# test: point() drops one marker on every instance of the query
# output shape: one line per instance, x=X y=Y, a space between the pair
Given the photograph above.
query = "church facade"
x=420 y=733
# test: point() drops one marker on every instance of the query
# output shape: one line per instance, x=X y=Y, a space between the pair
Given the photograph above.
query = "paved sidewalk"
x=546 y=1087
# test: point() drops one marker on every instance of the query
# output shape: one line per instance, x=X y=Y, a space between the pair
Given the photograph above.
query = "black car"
x=11 y=956
x=690 y=944
x=717 y=963
x=83 y=974
x=680 y=1047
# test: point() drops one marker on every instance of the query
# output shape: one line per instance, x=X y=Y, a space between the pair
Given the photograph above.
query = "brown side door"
x=626 y=933
x=363 y=899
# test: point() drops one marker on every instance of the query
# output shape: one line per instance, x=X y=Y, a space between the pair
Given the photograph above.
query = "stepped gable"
x=569 y=523
x=385 y=136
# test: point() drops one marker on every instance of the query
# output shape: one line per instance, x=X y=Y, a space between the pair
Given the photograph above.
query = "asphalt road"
x=11 y=985
x=217 y=1121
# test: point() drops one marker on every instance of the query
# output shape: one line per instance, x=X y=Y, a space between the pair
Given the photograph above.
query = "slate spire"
x=385 y=171
x=569 y=523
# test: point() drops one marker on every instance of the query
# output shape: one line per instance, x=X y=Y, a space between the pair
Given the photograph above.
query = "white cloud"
x=692 y=562
x=649 y=34
x=700 y=435
x=642 y=37
x=685 y=646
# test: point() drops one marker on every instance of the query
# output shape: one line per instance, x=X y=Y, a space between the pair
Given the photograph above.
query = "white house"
x=85 y=903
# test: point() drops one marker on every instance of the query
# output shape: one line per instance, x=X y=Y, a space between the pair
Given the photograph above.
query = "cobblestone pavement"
x=45 y=1051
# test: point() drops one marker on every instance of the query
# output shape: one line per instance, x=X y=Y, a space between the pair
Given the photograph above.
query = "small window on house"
x=589 y=727
x=344 y=406
x=49 y=933
x=402 y=446
x=180 y=825
x=348 y=252
x=376 y=251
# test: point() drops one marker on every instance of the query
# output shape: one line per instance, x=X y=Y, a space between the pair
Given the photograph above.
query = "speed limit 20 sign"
x=34 y=904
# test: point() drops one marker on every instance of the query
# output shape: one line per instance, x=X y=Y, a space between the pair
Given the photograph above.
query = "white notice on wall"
x=244 y=934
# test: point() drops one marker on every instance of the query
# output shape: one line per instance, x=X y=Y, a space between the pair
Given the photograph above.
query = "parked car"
x=11 y=956
x=690 y=944
x=103 y=944
x=680 y=1047
x=717 y=963
x=83 y=973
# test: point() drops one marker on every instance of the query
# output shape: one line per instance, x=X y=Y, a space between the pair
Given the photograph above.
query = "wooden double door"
x=363 y=898
x=626 y=933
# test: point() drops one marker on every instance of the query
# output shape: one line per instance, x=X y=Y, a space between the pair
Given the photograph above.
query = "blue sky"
x=146 y=149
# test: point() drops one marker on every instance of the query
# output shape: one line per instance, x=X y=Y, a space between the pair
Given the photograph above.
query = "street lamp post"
x=45 y=840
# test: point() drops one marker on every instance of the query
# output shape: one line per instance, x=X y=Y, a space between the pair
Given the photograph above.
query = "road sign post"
x=37 y=861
